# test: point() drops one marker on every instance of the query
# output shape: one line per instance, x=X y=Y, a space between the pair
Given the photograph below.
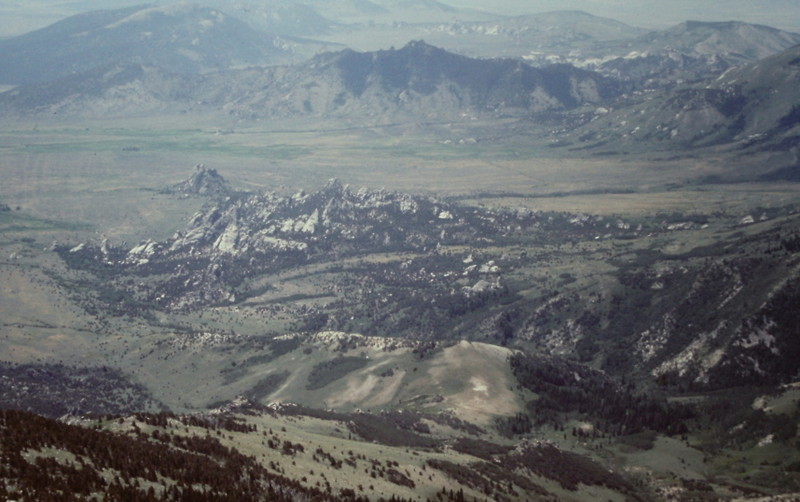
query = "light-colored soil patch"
x=670 y=455
x=476 y=381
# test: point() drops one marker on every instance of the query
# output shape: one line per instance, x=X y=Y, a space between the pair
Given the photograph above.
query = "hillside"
x=114 y=90
x=498 y=344
x=750 y=108
x=688 y=52
x=417 y=81
x=288 y=453
x=181 y=37
x=236 y=252
x=289 y=19
x=428 y=82
x=734 y=42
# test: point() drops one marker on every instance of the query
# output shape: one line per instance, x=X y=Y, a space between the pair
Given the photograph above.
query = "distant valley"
x=696 y=72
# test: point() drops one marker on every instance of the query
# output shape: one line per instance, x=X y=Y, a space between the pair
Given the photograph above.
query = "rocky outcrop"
x=306 y=223
x=238 y=237
x=204 y=181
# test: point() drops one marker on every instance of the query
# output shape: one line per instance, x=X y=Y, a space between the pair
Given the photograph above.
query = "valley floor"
x=613 y=335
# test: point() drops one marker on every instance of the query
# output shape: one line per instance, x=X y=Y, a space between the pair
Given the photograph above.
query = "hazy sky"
x=19 y=16
x=783 y=14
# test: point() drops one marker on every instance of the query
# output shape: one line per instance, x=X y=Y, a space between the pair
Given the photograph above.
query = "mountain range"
x=192 y=39
x=690 y=51
x=318 y=17
x=185 y=59
x=550 y=33
x=738 y=87
x=182 y=37
x=753 y=106
x=417 y=80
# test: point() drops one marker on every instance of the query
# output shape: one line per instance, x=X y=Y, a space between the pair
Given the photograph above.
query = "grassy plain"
x=104 y=157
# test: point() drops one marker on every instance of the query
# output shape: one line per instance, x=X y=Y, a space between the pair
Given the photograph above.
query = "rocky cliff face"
x=243 y=235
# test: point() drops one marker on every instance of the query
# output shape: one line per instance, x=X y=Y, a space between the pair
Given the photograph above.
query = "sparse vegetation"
x=330 y=371
x=56 y=390
x=593 y=302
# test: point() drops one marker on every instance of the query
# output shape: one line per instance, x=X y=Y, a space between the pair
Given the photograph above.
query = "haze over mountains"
x=182 y=37
x=754 y=104
x=190 y=59
x=19 y=18
x=418 y=81
x=186 y=38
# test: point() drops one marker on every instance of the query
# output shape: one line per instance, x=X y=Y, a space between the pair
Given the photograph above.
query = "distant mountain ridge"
x=547 y=31
x=286 y=18
x=188 y=59
x=185 y=38
x=734 y=40
x=181 y=37
x=112 y=90
x=418 y=80
x=753 y=105
x=423 y=77
x=693 y=50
